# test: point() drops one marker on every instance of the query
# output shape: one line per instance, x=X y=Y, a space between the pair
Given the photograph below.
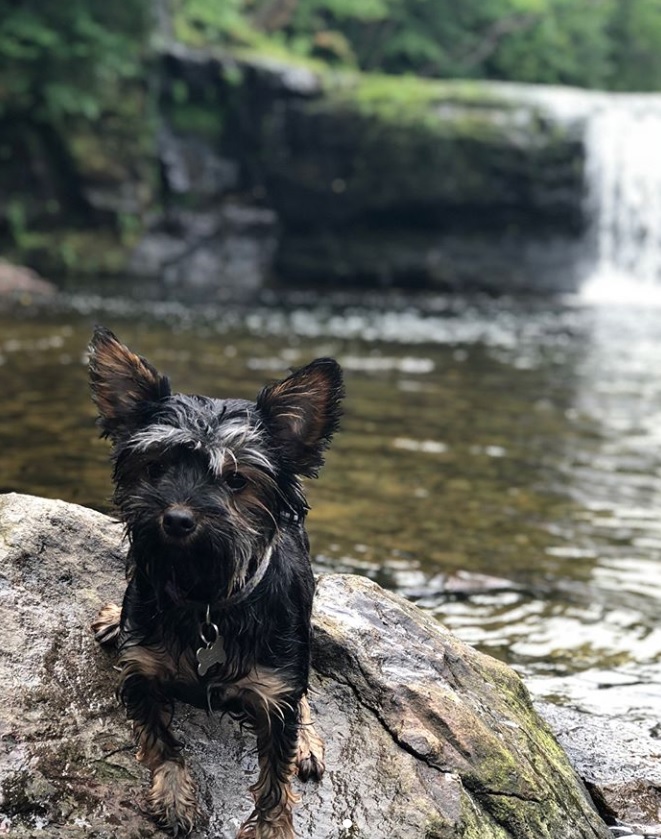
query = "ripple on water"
x=514 y=440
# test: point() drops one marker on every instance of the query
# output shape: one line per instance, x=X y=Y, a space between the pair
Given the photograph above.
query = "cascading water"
x=623 y=168
x=621 y=255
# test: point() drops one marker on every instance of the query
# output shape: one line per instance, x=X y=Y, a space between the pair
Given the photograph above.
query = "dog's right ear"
x=125 y=386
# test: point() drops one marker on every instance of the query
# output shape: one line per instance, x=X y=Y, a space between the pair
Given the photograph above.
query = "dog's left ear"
x=302 y=412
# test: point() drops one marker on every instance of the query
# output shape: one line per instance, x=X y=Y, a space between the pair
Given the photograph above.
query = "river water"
x=516 y=440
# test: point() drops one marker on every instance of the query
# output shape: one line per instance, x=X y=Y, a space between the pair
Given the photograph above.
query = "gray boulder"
x=425 y=736
x=617 y=755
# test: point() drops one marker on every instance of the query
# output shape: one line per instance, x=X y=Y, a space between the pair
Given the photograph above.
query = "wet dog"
x=217 y=608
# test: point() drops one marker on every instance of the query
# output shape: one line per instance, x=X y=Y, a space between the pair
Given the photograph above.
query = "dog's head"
x=204 y=484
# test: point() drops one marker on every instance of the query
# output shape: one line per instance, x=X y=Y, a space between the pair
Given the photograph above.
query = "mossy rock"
x=411 y=152
x=426 y=738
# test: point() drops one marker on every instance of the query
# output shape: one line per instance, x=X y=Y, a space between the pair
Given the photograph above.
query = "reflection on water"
x=513 y=440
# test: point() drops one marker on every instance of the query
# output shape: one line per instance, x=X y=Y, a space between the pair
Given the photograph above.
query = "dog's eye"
x=155 y=469
x=235 y=481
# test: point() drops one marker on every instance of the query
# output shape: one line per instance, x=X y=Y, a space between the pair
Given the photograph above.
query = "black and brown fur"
x=211 y=496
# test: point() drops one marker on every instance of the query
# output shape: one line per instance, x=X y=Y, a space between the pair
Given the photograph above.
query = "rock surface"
x=18 y=280
x=365 y=180
x=395 y=181
x=619 y=760
x=425 y=737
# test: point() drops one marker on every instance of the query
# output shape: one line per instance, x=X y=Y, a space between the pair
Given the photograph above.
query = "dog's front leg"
x=310 y=755
x=273 y=711
x=106 y=625
x=171 y=799
x=277 y=740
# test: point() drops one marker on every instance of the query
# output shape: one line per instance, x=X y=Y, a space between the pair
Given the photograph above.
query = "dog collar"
x=245 y=592
x=213 y=651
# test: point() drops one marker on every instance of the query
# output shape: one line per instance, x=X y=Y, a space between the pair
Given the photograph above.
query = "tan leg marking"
x=106 y=624
x=280 y=827
x=310 y=755
x=172 y=800
x=267 y=697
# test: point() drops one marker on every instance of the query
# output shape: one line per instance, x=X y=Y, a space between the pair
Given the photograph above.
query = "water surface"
x=515 y=440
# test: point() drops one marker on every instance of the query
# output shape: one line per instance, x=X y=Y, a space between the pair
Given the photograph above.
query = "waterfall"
x=621 y=259
x=623 y=169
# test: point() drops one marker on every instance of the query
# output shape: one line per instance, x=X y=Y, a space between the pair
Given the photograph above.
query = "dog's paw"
x=264 y=826
x=172 y=800
x=106 y=625
x=310 y=763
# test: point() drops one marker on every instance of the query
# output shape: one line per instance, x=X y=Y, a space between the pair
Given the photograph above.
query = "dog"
x=218 y=604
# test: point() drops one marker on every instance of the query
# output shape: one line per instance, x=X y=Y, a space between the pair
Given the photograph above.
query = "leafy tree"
x=595 y=43
x=61 y=59
x=71 y=73
x=566 y=43
x=635 y=32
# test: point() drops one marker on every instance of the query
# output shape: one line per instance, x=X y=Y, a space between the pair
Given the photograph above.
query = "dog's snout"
x=178 y=522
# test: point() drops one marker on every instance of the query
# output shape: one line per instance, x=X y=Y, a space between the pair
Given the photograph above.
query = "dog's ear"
x=302 y=412
x=125 y=386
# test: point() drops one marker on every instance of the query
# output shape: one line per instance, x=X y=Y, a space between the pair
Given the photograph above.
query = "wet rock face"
x=384 y=181
x=425 y=737
x=618 y=758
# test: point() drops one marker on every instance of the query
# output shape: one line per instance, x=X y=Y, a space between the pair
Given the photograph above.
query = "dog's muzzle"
x=178 y=522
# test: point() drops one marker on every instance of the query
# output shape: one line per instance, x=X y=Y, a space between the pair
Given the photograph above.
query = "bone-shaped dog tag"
x=210 y=655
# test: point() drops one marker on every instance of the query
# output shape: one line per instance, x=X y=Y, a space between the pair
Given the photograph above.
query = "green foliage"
x=568 y=43
x=635 y=32
x=207 y=21
x=613 y=44
x=62 y=59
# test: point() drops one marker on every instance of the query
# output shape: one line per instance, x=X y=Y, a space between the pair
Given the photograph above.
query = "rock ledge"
x=425 y=737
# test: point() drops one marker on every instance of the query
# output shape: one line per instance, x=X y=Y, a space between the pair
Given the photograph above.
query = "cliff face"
x=271 y=171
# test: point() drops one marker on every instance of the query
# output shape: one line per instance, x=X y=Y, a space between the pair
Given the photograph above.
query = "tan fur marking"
x=121 y=378
x=151 y=751
x=106 y=624
x=310 y=756
x=309 y=386
x=151 y=663
x=264 y=691
x=158 y=664
x=281 y=827
x=171 y=800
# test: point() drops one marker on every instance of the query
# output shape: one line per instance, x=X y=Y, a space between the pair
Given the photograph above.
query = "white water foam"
x=623 y=171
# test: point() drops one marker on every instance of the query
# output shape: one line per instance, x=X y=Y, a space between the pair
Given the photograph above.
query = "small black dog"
x=217 y=608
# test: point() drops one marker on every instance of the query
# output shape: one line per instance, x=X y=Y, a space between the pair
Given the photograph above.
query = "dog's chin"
x=194 y=574
x=183 y=544
x=188 y=584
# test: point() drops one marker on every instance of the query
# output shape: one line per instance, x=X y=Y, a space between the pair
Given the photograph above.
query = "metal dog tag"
x=210 y=655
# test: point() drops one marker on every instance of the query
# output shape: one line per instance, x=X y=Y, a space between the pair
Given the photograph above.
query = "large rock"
x=617 y=754
x=365 y=179
x=390 y=180
x=426 y=737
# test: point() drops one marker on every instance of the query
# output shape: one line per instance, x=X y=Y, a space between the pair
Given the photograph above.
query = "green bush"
x=64 y=59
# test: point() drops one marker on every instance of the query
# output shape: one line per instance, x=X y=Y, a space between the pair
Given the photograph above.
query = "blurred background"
x=461 y=201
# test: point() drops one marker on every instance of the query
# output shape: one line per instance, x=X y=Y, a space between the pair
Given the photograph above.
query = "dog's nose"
x=178 y=522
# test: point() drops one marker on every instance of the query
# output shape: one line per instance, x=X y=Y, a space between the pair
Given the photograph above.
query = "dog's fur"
x=211 y=496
